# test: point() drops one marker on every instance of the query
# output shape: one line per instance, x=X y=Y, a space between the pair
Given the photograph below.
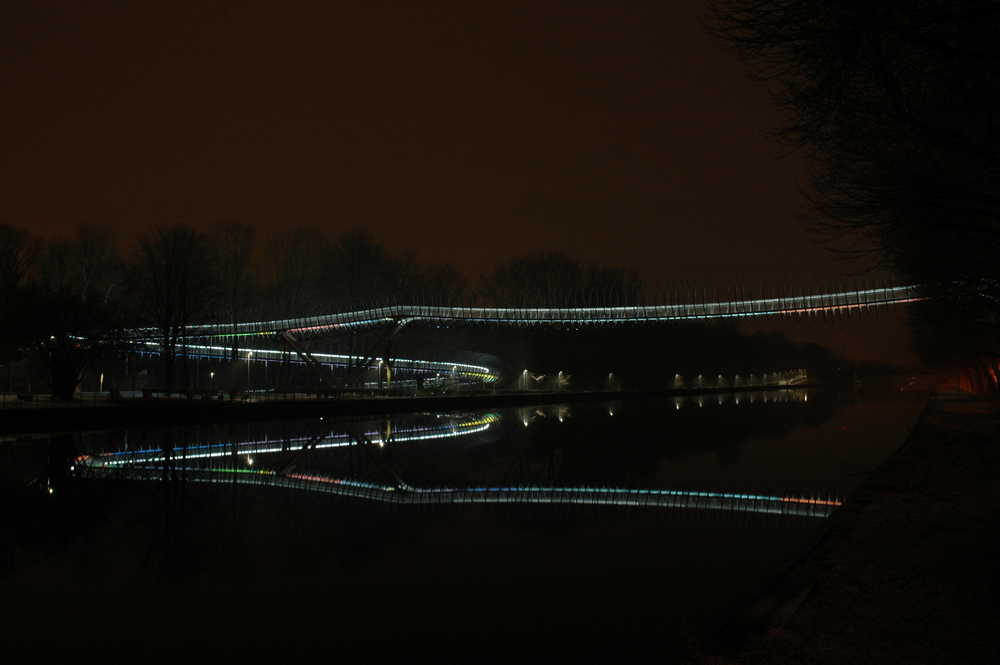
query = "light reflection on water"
x=592 y=577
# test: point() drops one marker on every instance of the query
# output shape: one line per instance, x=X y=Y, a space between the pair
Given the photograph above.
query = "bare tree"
x=546 y=278
x=531 y=279
x=232 y=247
x=361 y=266
x=57 y=269
x=293 y=267
x=446 y=280
x=19 y=252
x=65 y=328
x=85 y=263
x=169 y=277
x=625 y=280
x=897 y=106
x=408 y=273
x=95 y=252
x=67 y=332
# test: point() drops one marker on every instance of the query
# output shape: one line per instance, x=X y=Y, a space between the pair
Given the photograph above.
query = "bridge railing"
x=677 y=302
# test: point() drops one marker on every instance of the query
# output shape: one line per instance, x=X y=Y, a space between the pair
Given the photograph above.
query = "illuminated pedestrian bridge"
x=290 y=463
x=562 y=310
x=570 y=310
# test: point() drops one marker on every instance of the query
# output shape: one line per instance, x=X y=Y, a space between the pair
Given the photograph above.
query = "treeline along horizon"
x=172 y=276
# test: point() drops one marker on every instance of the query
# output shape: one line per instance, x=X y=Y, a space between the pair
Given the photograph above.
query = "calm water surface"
x=291 y=537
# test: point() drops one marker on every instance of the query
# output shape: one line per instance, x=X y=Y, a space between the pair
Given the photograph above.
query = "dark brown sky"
x=469 y=130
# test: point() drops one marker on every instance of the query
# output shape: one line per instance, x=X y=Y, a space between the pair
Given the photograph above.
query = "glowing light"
x=640 y=497
x=259 y=447
x=834 y=303
x=466 y=370
x=815 y=502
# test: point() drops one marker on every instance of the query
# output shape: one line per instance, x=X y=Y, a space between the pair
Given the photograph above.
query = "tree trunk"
x=167 y=356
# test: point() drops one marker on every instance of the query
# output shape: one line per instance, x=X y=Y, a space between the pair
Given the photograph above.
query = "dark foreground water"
x=615 y=530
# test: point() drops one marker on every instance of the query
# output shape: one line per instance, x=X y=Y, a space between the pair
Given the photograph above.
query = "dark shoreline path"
x=907 y=571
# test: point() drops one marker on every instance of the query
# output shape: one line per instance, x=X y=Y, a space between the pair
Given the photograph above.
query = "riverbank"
x=906 y=571
x=98 y=411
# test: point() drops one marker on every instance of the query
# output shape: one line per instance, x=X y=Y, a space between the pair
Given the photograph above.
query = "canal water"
x=621 y=530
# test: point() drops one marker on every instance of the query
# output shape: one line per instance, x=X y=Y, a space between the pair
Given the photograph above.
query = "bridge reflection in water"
x=282 y=462
x=605 y=535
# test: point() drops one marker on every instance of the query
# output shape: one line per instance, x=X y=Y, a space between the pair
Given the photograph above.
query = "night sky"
x=470 y=131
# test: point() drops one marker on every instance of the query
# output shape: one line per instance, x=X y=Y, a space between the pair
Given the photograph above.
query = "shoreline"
x=104 y=414
x=904 y=571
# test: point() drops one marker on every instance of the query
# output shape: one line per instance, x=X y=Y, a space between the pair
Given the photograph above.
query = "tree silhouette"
x=169 y=281
x=95 y=261
x=73 y=295
x=19 y=252
x=446 y=280
x=293 y=269
x=361 y=266
x=53 y=319
x=897 y=106
x=546 y=278
x=232 y=246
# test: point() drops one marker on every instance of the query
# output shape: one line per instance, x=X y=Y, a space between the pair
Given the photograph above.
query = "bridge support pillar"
x=374 y=453
x=308 y=358
x=378 y=350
